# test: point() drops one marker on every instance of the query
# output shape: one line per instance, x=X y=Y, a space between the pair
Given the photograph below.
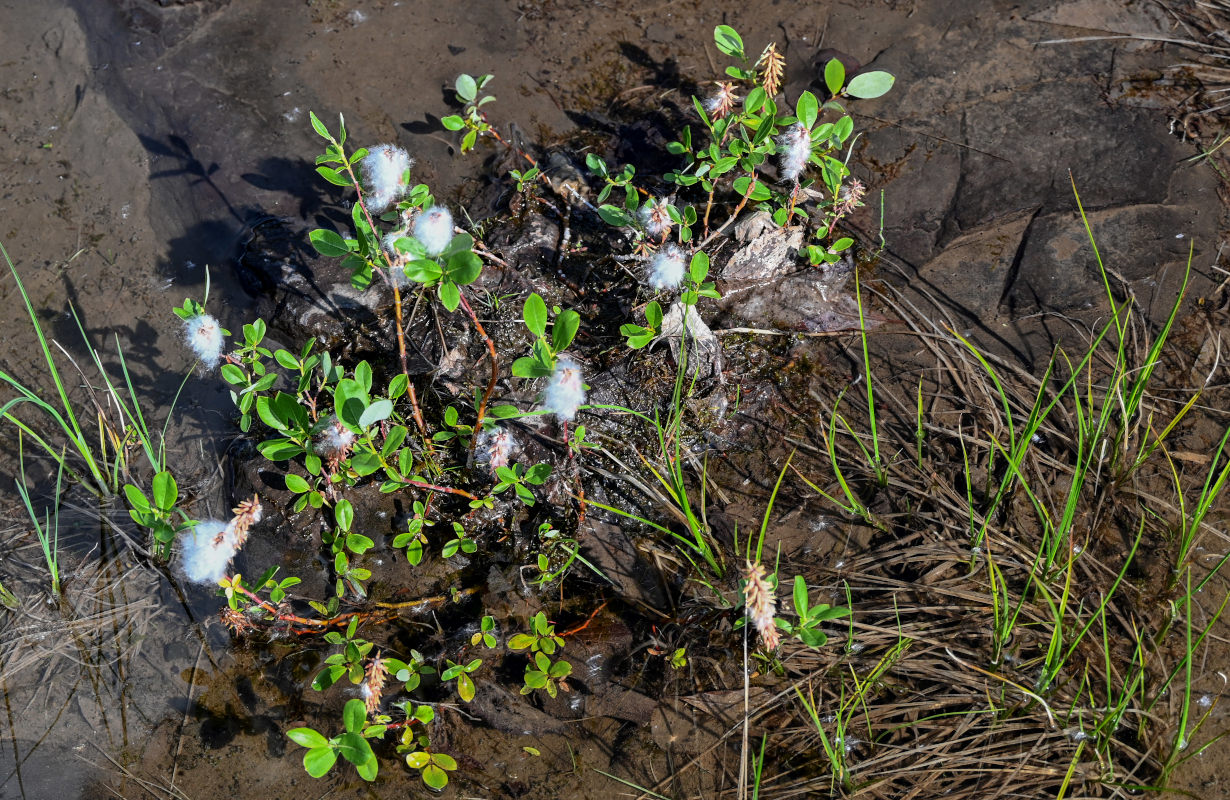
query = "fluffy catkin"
x=667 y=268
x=434 y=229
x=384 y=170
x=794 y=147
x=204 y=337
x=566 y=390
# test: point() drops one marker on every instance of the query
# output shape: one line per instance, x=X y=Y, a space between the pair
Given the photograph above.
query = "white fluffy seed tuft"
x=434 y=229
x=795 y=148
x=655 y=219
x=566 y=390
x=497 y=446
x=384 y=170
x=335 y=440
x=204 y=337
x=206 y=550
x=667 y=268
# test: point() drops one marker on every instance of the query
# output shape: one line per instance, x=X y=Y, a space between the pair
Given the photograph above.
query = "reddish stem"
x=578 y=628
x=401 y=336
x=434 y=488
x=315 y=624
x=495 y=368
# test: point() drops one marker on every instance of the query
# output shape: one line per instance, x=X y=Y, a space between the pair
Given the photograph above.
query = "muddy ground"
x=145 y=140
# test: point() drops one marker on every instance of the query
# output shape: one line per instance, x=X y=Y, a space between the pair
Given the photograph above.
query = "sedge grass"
x=1008 y=637
x=92 y=472
x=98 y=461
x=48 y=530
x=1014 y=517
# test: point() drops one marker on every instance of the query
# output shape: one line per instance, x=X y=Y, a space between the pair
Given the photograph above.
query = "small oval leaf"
x=870 y=85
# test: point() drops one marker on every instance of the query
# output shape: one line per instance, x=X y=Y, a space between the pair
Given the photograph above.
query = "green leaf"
x=327 y=677
x=538 y=473
x=435 y=777
x=450 y=295
x=453 y=122
x=823 y=612
x=565 y=329
x=526 y=367
x=699 y=268
x=461 y=243
x=758 y=194
x=834 y=76
x=343 y=514
x=504 y=411
x=329 y=243
x=806 y=109
x=444 y=760
x=354 y=715
x=614 y=215
x=233 y=374
x=467 y=88
x=358 y=544
x=136 y=499
x=363 y=374
x=653 y=315
x=418 y=759
x=800 y=596
x=465 y=687
x=368 y=769
x=333 y=176
x=319 y=126
x=843 y=128
x=812 y=637
x=350 y=401
x=520 y=641
x=353 y=747
x=279 y=449
x=286 y=359
x=165 y=490
x=423 y=270
x=870 y=85
x=534 y=312
x=319 y=760
x=376 y=412
x=728 y=41
x=306 y=737
x=755 y=100
x=296 y=484
x=464 y=268
x=266 y=410
x=397 y=434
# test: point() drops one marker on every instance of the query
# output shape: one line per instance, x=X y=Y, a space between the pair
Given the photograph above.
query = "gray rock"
x=973 y=271
x=767 y=252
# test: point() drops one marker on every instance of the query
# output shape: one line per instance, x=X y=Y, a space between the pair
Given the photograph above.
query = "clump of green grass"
x=1028 y=619
x=99 y=460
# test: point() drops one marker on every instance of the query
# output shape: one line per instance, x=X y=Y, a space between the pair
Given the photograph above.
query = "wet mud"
x=145 y=142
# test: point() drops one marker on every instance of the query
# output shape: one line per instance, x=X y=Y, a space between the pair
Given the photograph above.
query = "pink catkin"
x=761 y=605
